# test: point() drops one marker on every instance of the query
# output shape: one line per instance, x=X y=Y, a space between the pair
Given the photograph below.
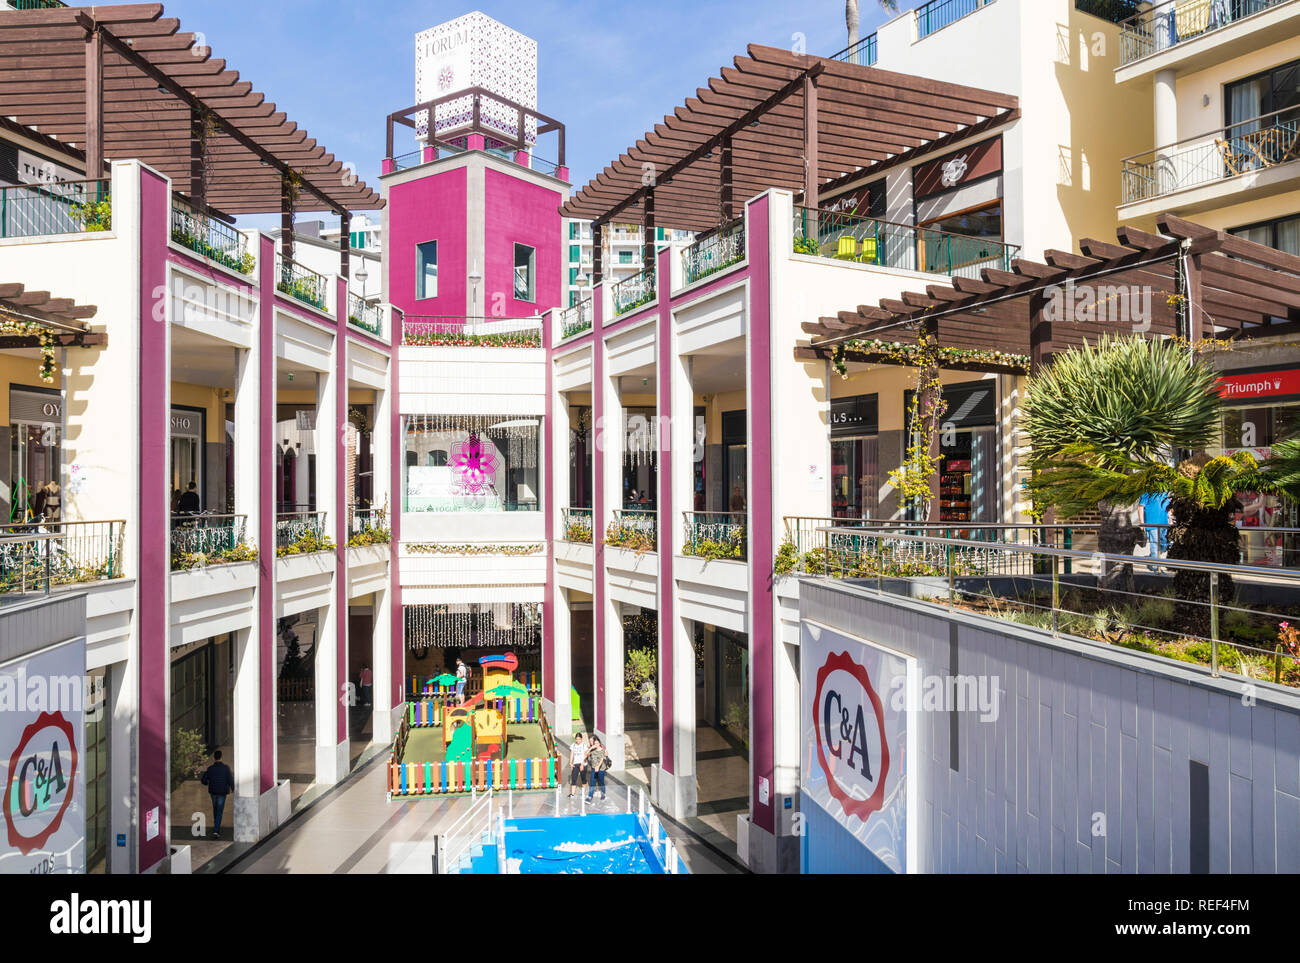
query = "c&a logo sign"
x=852 y=748
x=42 y=780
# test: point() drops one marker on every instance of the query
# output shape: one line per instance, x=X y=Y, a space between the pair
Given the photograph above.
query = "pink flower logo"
x=474 y=463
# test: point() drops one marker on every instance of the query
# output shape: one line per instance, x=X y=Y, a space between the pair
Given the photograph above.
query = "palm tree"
x=1130 y=417
x=851 y=19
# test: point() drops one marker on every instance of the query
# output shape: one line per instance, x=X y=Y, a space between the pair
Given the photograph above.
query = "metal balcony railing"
x=635 y=529
x=1166 y=25
x=365 y=315
x=57 y=207
x=577 y=525
x=714 y=252
x=1245 y=147
x=368 y=526
x=866 y=240
x=576 y=320
x=299 y=282
x=301 y=533
x=938 y=14
x=34 y=4
x=1190 y=612
x=40 y=555
x=204 y=539
x=716 y=535
x=862 y=53
x=634 y=292
x=211 y=238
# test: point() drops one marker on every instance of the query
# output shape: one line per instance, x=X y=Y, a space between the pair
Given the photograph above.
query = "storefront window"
x=733 y=685
x=580 y=446
x=968 y=470
x=467 y=463
x=855 y=457
x=734 y=468
x=96 y=762
x=1255 y=429
x=35 y=457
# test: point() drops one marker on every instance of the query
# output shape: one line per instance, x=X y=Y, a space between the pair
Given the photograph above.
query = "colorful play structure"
x=475 y=739
x=426 y=687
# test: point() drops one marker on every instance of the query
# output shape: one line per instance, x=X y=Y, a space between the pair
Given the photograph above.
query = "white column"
x=613 y=734
x=123 y=706
x=331 y=753
x=249 y=500
x=612 y=441
x=1166 y=126
x=381 y=649
x=559 y=710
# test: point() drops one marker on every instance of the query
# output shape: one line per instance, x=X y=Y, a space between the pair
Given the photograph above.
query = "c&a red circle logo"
x=852 y=748
x=42 y=781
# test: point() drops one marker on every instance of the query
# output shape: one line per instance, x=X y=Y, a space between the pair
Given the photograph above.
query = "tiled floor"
x=355 y=829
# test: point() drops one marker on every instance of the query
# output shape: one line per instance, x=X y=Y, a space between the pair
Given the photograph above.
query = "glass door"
x=33 y=461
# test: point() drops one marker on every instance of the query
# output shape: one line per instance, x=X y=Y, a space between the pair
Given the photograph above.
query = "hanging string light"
x=473 y=625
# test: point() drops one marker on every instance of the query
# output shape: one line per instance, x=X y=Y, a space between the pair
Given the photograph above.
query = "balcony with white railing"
x=1228 y=28
x=574 y=321
x=1258 y=154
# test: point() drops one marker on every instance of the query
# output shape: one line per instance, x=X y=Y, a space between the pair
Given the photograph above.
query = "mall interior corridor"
x=354 y=829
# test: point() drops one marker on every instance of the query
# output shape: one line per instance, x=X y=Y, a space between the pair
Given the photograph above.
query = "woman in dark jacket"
x=597 y=763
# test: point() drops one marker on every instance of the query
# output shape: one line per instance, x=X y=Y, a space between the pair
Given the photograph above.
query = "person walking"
x=221 y=783
x=462 y=676
x=367 y=684
x=577 y=763
x=597 y=762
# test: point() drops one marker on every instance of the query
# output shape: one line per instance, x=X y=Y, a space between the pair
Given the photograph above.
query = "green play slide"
x=461 y=747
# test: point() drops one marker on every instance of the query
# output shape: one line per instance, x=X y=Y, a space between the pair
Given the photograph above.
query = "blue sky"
x=608 y=70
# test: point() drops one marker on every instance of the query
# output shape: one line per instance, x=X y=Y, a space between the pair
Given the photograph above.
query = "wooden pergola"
x=126 y=82
x=63 y=320
x=1189 y=281
x=780 y=119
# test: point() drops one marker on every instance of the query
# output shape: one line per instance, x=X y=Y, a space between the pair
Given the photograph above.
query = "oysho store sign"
x=42 y=739
x=856 y=705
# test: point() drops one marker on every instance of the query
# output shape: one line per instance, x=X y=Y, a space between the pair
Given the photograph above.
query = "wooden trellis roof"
x=63 y=316
x=1231 y=288
x=767 y=115
x=156 y=80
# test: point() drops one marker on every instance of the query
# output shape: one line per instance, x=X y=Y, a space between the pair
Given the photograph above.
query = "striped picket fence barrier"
x=434 y=778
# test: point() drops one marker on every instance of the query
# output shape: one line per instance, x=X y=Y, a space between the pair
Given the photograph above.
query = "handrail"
x=453 y=855
x=635 y=291
x=1166 y=25
x=1212 y=132
x=301 y=283
x=48 y=208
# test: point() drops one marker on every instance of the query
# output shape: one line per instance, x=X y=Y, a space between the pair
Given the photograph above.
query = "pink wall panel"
x=429 y=209
x=517 y=212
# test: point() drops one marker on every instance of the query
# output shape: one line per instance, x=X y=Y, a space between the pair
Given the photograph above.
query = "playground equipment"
x=461 y=771
x=472 y=731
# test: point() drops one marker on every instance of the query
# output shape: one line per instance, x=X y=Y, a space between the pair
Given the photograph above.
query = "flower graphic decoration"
x=473 y=464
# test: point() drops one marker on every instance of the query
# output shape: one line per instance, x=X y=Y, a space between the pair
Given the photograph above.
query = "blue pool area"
x=603 y=844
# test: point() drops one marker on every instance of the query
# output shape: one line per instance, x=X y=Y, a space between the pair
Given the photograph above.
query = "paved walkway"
x=353 y=829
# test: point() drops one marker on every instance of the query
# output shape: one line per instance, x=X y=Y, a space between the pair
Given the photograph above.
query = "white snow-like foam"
x=513 y=865
x=604 y=844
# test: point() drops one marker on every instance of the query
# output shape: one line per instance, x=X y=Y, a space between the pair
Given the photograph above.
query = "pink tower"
x=472 y=228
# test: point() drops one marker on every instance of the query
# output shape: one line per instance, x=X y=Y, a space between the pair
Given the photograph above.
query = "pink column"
x=664 y=404
x=341 y=505
x=598 y=502
x=397 y=445
x=761 y=506
x=155 y=522
x=265 y=534
x=476 y=142
x=549 y=512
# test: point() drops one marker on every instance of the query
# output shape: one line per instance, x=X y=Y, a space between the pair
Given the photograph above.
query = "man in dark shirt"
x=189 y=503
x=221 y=783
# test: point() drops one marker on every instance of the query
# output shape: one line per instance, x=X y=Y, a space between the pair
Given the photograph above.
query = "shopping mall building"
x=469 y=462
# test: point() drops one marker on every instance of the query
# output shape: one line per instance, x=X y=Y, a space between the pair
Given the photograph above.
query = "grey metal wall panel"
x=1083 y=732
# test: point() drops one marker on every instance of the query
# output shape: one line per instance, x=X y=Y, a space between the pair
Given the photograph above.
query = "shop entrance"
x=722 y=726
x=202 y=723
x=35 y=452
x=295 y=734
